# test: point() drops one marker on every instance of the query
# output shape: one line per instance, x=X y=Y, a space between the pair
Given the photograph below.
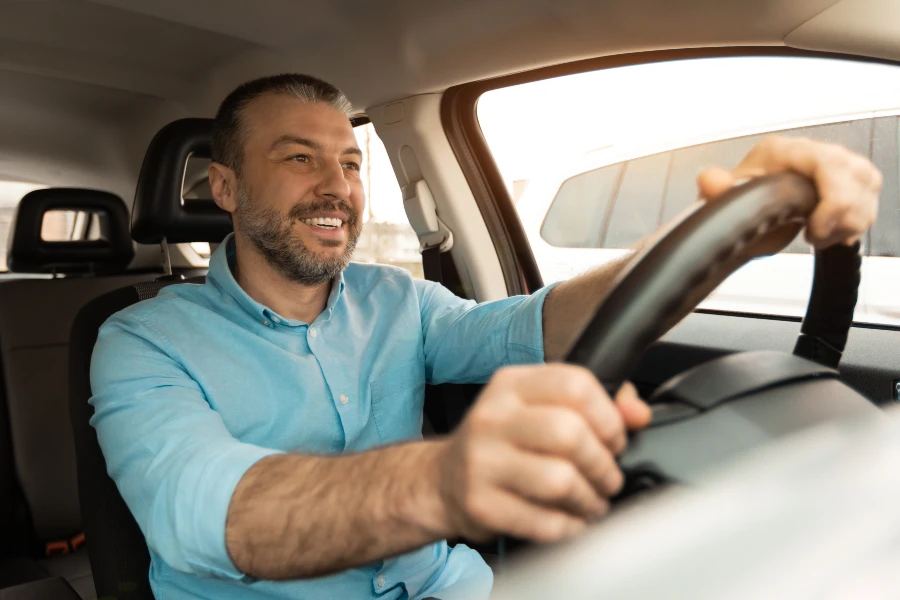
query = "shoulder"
x=151 y=317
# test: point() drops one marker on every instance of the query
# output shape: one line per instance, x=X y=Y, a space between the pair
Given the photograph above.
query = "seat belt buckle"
x=57 y=548
x=62 y=547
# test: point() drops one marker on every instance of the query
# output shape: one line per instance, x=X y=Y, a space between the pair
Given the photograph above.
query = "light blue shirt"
x=195 y=386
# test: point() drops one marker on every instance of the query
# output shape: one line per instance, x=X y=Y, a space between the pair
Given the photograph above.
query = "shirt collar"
x=220 y=274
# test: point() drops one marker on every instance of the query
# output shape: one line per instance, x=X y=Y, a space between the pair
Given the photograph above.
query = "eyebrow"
x=293 y=139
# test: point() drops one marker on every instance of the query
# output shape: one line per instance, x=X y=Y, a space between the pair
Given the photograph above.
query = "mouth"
x=324 y=223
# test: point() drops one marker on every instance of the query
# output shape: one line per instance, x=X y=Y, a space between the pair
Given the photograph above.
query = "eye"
x=303 y=158
x=352 y=166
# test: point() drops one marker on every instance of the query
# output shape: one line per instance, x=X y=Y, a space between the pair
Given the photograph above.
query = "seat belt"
x=434 y=238
x=431 y=264
x=435 y=400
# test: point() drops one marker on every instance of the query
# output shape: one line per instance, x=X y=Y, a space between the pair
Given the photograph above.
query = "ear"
x=223 y=183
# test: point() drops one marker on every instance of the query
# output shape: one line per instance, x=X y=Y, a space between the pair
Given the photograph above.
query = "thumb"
x=714 y=182
x=634 y=411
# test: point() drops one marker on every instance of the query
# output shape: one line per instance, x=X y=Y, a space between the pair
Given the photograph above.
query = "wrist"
x=425 y=507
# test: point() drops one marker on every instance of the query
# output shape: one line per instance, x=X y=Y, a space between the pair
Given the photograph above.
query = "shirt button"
x=276 y=319
x=312 y=332
x=344 y=399
x=380 y=581
x=266 y=323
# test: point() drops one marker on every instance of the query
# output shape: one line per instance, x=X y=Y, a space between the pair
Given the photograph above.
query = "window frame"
x=460 y=120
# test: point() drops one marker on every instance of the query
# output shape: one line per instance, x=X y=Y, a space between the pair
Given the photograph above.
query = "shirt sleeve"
x=466 y=342
x=171 y=456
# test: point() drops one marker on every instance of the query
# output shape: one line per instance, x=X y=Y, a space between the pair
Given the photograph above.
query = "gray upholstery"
x=35 y=321
x=74 y=568
x=53 y=588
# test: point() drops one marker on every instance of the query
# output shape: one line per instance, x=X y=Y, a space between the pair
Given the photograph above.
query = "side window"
x=608 y=157
x=884 y=237
x=638 y=204
x=654 y=189
x=10 y=194
x=578 y=212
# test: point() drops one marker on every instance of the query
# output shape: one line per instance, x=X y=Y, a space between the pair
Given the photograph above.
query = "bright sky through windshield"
x=534 y=126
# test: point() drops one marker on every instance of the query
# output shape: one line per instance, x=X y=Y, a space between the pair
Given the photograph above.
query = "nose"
x=332 y=182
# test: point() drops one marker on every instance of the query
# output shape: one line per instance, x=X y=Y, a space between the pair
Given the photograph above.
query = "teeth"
x=323 y=222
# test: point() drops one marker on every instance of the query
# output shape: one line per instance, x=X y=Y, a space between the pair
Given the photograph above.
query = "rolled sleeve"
x=171 y=456
x=466 y=342
x=525 y=343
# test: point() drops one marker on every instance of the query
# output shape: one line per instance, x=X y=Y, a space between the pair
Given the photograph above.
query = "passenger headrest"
x=29 y=253
x=159 y=210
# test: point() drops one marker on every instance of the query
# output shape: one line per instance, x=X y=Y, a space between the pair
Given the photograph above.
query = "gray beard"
x=272 y=234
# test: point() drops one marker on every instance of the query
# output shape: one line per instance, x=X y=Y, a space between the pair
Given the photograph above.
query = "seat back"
x=117 y=549
x=35 y=319
x=118 y=552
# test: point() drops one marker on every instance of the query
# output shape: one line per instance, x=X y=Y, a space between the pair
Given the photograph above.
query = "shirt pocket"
x=398 y=395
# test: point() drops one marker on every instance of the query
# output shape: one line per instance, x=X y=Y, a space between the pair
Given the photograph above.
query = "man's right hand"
x=535 y=457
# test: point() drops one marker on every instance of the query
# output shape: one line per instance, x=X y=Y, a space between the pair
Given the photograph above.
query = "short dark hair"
x=229 y=127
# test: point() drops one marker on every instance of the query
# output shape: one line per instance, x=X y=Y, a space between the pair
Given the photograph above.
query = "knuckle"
x=615 y=480
x=486 y=418
x=861 y=169
x=568 y=431
x=770 y=143
x=612 y=428
x=551 y=528
x=505 y=376
x=877 y=179
x=560 y=481
x=580 y=383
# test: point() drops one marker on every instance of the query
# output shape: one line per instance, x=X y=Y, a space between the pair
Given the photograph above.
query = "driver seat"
x=118 y=553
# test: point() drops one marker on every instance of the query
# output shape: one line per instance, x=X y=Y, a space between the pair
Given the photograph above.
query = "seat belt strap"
x=431 y=264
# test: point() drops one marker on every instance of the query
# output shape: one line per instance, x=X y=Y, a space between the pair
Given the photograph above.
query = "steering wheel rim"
x=687 y=260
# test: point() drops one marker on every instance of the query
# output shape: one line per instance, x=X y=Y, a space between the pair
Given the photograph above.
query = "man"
x=264 y=428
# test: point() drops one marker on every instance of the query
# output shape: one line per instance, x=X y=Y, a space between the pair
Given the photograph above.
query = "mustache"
x=304 y=211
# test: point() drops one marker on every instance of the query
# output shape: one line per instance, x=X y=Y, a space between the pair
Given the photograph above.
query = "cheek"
x=358 y=197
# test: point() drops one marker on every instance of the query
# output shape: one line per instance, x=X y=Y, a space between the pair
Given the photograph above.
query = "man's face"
x=300 y=194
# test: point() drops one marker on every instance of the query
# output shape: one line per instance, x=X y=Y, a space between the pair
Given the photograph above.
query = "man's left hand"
x=848 y=184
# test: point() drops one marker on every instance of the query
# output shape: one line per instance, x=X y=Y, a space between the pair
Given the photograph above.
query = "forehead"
x=271 y=116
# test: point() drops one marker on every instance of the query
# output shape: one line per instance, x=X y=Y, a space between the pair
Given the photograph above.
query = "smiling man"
x=265 y=427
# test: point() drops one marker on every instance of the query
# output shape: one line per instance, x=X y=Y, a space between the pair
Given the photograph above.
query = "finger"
x=714 y=181
x=635 y=411
x=573 y=387
x=500 y=511
x=550 y=481
x=563 y=433
x=848 y=184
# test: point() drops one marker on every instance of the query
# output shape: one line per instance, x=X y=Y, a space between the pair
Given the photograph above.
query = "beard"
x=273 y=235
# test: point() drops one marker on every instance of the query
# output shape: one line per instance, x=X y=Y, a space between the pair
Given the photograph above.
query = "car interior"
x=105 y=118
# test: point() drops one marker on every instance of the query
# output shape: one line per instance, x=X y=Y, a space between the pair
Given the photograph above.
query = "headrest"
x=30 y=253
x=159 y=210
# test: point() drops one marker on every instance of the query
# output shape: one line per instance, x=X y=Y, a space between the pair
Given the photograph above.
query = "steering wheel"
x=731 y=404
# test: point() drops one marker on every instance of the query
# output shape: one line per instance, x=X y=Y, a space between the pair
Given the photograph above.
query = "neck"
x=265 y=284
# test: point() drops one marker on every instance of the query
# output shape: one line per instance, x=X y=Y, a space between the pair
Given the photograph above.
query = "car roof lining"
x=187 y=53
x=85 y=84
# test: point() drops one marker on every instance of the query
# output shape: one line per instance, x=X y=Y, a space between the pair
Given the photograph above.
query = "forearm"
x=304 y=516
x=570 y=306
